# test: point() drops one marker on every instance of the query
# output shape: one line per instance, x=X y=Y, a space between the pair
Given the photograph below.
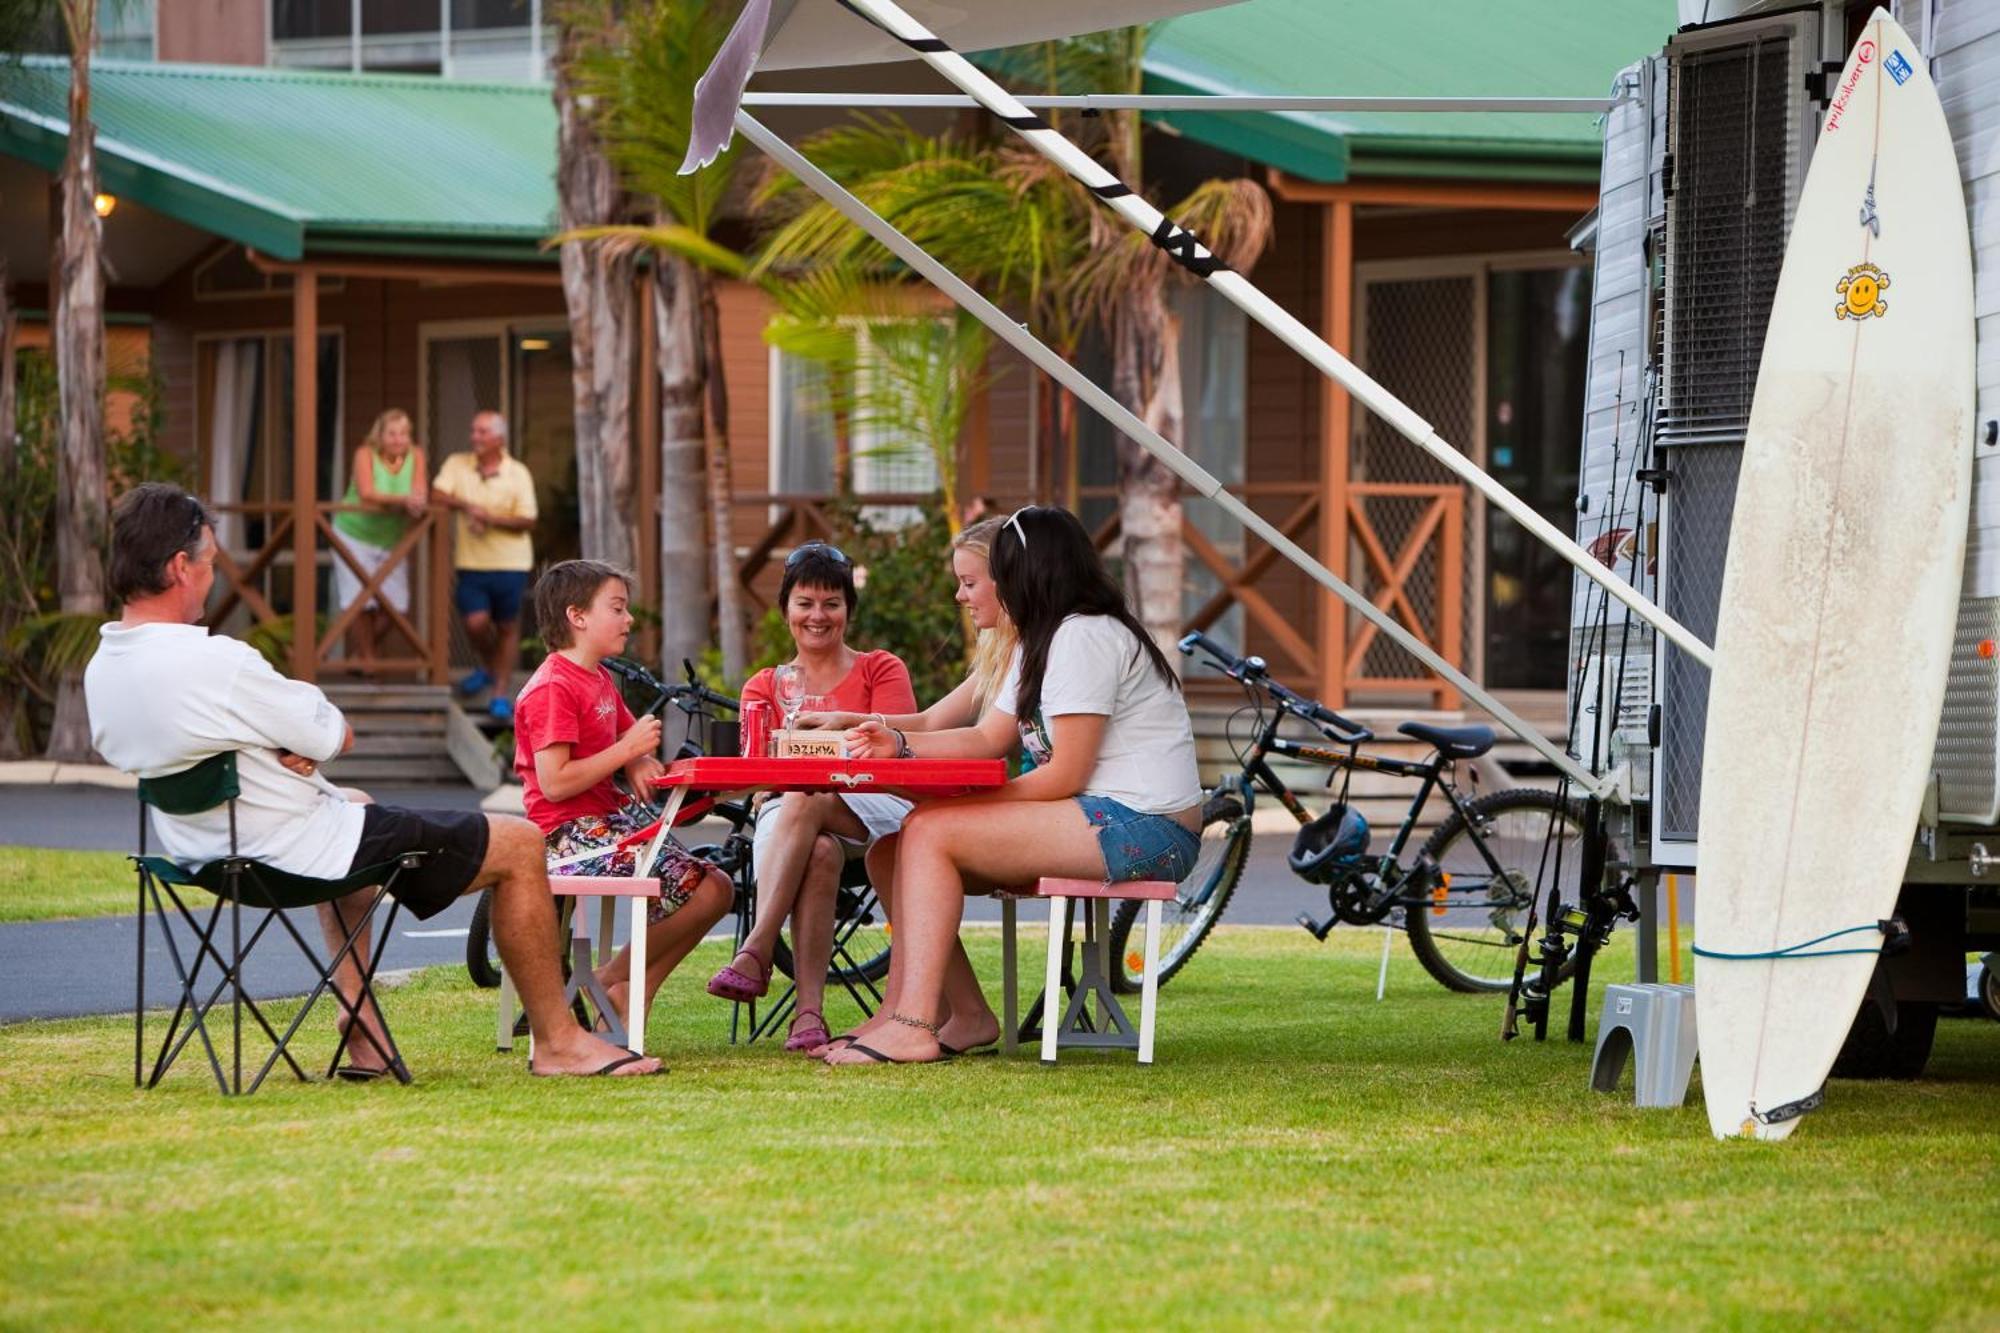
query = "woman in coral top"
x=804 y=838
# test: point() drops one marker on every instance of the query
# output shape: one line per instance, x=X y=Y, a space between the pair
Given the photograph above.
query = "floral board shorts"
x=1138 y=845
x=679 y=873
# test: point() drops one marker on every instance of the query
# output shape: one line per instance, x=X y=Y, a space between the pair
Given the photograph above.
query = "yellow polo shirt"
x=509 y=492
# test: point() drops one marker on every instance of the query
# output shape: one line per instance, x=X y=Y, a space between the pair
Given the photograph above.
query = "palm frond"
x=686 y=242
x=57 y=643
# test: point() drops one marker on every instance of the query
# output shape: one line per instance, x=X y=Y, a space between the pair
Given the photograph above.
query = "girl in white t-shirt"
x=1113 y=794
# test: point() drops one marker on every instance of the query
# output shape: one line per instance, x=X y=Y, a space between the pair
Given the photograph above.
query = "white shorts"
x=880 y=815
x=347 y=584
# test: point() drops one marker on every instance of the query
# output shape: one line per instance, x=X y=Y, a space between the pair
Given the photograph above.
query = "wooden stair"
x=409 y=736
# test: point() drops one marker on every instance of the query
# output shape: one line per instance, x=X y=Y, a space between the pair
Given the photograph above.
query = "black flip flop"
x=602 y=1070
x=986 y=1048
x=881 y=1059
x=358 y=1074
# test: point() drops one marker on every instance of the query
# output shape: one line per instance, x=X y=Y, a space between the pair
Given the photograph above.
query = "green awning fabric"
x=1424 y=48
x=292 y=161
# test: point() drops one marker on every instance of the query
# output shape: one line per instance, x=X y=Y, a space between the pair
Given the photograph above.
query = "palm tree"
x=598 y=289
x=641 y=74
x=77 y=290
x=1026 y=231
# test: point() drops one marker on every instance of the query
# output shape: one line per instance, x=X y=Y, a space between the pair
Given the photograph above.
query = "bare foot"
x=970 y=1032
x=363 y=1050
x=577 y=1052
x=892 y=1043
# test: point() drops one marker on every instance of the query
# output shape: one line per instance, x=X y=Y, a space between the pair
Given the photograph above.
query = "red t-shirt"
x=563 y=704
x=879 y=683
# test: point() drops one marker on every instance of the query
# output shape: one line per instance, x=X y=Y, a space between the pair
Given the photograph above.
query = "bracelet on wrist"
x=903 y=750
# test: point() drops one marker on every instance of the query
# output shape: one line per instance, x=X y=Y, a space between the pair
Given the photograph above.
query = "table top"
x=915 y=777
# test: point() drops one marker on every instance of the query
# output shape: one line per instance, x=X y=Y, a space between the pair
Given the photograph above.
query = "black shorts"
x=455 y=841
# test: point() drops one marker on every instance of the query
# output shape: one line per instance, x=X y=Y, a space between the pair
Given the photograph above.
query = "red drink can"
x=756 y=729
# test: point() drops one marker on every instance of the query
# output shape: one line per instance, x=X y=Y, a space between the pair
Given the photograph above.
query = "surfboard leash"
x=1895 y=938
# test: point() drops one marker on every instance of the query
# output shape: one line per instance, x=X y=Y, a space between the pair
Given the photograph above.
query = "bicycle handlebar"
x=1253 y=671
x=692 y=696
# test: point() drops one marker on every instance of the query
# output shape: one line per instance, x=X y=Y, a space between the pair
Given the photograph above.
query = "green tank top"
x=383 y=530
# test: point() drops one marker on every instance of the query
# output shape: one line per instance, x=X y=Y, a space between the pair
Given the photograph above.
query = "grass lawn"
x=1300 y=1155
x=37 y=884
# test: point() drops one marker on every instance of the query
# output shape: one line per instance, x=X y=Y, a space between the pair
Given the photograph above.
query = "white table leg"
x=607 y=921
x=1052 y=992
x=1150 y=986
x=635 y=991
x=503 y=1031
x=1010 y=1032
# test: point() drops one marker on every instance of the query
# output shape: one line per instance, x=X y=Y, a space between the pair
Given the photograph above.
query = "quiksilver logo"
x=1864 y=56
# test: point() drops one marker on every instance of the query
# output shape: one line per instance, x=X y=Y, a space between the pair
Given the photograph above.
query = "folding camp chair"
x=241 y=883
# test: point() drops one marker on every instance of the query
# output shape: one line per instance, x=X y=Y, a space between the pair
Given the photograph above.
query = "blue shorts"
x=1140 y=846
x=497 y=592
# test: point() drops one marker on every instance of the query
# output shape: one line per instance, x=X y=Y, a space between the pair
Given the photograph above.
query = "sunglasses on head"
x=1014 y=522
x=831 y=552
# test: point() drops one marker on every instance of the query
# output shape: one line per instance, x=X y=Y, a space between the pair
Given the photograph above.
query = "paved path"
x=65 y=968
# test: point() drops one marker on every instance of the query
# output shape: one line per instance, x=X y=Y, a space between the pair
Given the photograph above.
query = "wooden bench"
x=607 y=889
x=1109 y=1027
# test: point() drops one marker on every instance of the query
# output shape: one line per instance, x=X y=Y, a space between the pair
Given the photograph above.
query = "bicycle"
x=861 y=956
x=1466 y=899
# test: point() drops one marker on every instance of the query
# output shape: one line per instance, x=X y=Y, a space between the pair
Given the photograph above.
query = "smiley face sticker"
x=1860 y=291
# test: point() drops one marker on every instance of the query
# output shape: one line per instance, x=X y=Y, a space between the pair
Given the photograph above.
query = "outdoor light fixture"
x=534 y=344
x=104 y=204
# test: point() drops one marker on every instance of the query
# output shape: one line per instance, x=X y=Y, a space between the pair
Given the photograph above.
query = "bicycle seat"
x=1452 y=742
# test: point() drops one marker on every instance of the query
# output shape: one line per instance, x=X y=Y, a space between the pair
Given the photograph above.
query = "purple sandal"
x=732 y=983
x=806 y=1035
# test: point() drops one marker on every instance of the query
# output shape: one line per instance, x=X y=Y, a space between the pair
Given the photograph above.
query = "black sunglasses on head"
x=833 y=553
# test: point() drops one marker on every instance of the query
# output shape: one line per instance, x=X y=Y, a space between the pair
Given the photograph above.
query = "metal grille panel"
x=1734 y=153
x=1701 y=501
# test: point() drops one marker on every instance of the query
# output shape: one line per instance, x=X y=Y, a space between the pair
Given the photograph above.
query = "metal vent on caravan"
x=1738 y=133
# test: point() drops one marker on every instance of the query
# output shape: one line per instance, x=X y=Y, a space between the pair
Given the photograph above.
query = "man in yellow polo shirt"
x=494 y=495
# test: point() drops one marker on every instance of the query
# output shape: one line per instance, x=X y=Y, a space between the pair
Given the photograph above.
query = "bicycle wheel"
x=482 y=960
x=1198 y=901
x=1469 y=936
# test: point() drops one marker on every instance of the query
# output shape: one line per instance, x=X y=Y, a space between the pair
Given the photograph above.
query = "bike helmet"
x=1336 y=838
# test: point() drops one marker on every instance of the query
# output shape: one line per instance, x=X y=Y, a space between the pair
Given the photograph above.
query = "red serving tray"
x=921 y=777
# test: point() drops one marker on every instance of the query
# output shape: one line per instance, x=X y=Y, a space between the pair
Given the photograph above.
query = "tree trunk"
x=683 y=575
x=598 y=290
x=1146 y=378
x=729 y=620
x=13 y=710
x=79 y=343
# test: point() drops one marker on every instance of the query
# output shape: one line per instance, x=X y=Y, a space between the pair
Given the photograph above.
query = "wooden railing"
x=426 y=625
x=1383 y=575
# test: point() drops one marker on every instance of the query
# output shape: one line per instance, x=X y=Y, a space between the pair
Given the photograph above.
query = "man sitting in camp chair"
x=164 y=694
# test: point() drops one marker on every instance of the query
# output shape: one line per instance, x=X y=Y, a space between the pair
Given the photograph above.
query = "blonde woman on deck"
x=390 y=483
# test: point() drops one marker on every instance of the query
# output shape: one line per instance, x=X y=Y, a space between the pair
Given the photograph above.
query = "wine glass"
x=790 y=686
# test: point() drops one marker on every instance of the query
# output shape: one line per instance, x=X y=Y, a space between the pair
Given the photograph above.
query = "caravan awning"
x=1434 y=48
x=289 y=161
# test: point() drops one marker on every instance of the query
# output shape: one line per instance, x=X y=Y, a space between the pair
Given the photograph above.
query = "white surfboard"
x=1840 y=594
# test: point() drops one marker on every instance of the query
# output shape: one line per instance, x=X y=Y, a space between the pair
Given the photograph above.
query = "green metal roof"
x=1419 y=48
x=290 y=161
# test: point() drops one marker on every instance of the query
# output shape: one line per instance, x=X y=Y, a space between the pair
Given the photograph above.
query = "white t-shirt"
x=162 y=698
x=1096 y=665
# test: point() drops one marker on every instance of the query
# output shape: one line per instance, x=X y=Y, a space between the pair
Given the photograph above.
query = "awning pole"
x=1593 y=106
x=1017 y=336
x=1188 y=251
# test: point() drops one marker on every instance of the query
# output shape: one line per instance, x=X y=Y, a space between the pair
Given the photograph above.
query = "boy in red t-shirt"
x=572 y=736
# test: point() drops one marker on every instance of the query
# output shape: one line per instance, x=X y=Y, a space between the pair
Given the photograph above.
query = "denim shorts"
x=1139 y=846
x=497 y=592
